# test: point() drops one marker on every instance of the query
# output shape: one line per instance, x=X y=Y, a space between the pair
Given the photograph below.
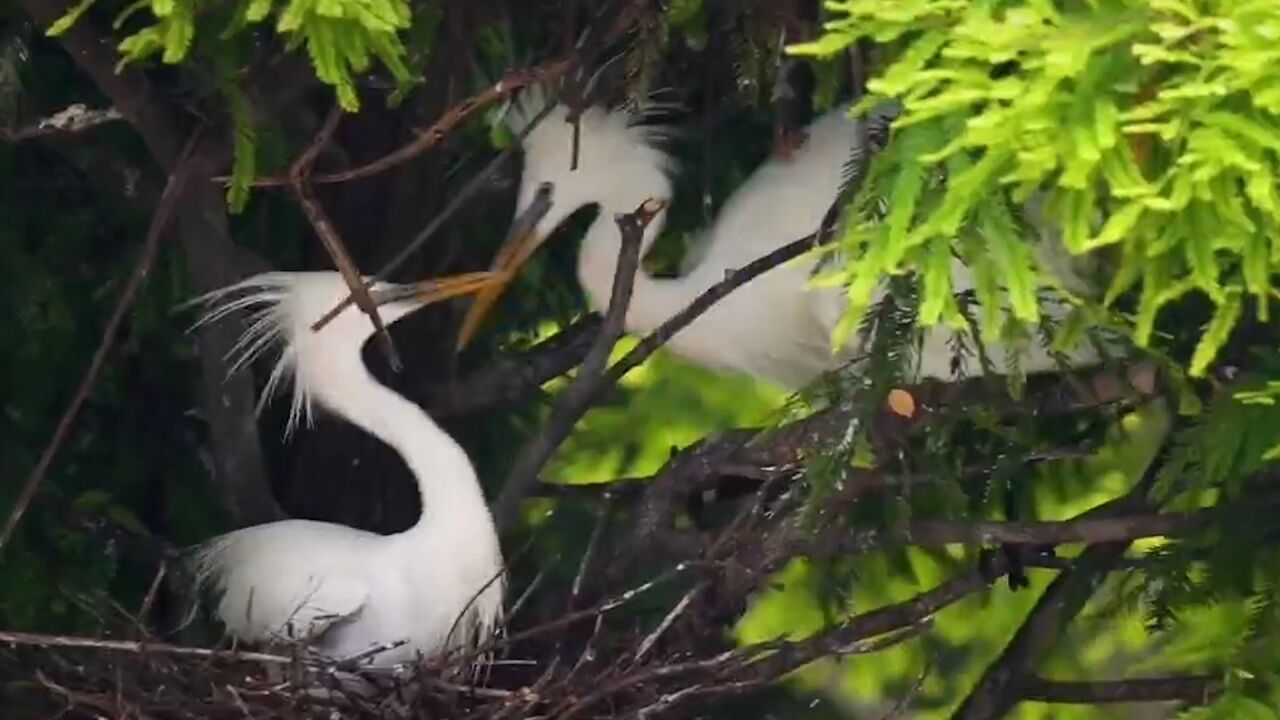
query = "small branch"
x=73 y=119
x=136 y=647
x=1086 y=530
x=300 y=182
x=509 y=377
x=998 y=690
x=159 y=223
x=733 y=280
x=578 y=397
x=1195 y=689
x=600 y=32
x=428 y=137
x=652 y=638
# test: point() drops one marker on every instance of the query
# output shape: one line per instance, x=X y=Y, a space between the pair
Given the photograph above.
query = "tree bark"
x=210 y=255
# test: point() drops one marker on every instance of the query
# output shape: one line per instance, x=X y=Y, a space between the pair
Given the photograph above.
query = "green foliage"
x=342 y=37
x=664 y=404
x=244 y=148
x=1150 y=126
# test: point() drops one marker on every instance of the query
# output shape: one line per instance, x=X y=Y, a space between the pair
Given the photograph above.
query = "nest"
x=600 y=676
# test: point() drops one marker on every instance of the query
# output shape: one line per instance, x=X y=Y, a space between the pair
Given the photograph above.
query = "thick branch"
x=1196 y=689
x=73 y=119
x=157 y=121
x=210 y=253
x=509 y=377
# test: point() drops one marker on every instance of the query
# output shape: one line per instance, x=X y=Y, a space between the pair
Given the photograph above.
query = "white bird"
x=777 y=327
x=431 y=589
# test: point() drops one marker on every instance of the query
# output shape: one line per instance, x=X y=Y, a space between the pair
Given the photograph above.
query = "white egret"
x=776 y=327
x=433 y=588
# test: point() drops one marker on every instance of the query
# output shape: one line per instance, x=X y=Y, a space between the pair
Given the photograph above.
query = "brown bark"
x=209 y=250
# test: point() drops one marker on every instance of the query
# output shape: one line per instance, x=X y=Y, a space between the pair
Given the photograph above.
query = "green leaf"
x=939 y=300
x=69 y=18
x=256 y=10
x=1215 y=336
x=244 y=148
x=1012 y=256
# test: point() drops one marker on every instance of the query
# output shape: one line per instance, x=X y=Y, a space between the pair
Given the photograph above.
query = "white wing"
x=287 y=580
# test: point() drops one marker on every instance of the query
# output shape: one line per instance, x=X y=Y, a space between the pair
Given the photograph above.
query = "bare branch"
x=1195 y=689
x=578 y=397
x=508 y=377
x=136 y=646
x=299 y=180
x=428 y=137
x=159 y=224
x=999 y=688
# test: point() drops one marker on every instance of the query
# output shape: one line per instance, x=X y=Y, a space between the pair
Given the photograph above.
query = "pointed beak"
x=427 y=292
x=522 y=239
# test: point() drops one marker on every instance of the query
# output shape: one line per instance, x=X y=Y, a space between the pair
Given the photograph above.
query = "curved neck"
x=653 y=300
x=446 y=479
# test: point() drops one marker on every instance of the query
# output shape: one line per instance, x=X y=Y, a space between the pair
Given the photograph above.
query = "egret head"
x=284 y=308
x=619 y=164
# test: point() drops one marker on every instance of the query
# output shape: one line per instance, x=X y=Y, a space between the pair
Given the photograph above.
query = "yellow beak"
x=522 y=239
x=435 y=290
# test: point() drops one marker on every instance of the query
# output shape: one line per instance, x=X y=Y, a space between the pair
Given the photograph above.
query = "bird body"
x=777 y=327
x=433 y=588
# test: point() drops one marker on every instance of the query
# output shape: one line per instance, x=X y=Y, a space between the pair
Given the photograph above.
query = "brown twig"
x=159 y=223
x=583 y=53
x=578 y=397
x=137 y=647
x=999 y=688
x=300 y=182
x=507 y=378
x=430 y=136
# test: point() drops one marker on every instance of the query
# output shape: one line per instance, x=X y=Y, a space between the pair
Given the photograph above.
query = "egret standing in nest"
x=776 y=327
x=431 y=589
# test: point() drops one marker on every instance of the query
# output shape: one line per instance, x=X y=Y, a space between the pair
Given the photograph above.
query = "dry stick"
x=433 y=135
x=164 y=213
x=1000 y=687
x=665 y=624
x=427 y=138
x=459 y=198
x=137 y=647
x=299 y=180
x=578 y=397
x=508 y=377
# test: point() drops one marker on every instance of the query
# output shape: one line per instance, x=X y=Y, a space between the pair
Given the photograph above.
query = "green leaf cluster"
x=1150 y=127
x=342 y=37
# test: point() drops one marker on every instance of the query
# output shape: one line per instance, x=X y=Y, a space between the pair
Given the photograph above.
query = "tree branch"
x=300 y=183
x=1000 y=687
x=159 y=224
x=579 y=396
x=428 y=137
x=72 y=119
x=211 y=260
x=1195 y=689
x=509 y=377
